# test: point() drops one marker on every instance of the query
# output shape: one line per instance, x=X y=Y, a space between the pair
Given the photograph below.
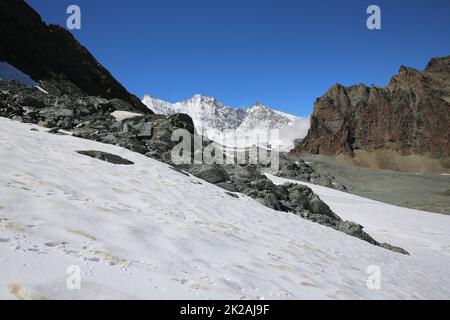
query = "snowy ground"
x=146 y=231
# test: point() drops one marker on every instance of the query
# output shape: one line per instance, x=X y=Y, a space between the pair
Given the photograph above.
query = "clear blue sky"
x=283 y=53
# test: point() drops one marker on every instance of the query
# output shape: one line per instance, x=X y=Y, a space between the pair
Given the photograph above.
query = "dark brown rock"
x=410 y=116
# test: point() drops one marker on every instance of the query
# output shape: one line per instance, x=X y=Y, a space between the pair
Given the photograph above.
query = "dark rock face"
x=105 y=156
x=410 y=116
x=52 y=56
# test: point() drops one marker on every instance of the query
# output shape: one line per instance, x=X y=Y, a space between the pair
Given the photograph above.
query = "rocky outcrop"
x=107 y=157
x=27 y=104
x=293 y=198
x=52 y=56
x=409 y=116
x=297 y=169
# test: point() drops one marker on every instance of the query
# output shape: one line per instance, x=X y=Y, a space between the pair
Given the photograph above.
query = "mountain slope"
x=409 y=116
x=146 y=231
x=50 y=54
x=213 y=118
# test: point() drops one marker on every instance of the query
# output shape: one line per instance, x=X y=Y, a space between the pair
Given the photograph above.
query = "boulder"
x=210 y=173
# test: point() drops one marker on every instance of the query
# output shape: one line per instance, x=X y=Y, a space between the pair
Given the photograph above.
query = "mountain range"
x=212 y=118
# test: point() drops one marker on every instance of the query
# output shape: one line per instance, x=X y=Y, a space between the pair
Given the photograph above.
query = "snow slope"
x=212 y=119
x=147 y=231
x=425 y=235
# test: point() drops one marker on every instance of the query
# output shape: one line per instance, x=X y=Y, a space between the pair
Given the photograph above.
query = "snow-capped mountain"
x=212 y=119
x=259 y=116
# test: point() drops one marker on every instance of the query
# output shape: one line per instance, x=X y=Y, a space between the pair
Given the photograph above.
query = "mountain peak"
x=152 y=98
x=258 y=106
x=202 y=98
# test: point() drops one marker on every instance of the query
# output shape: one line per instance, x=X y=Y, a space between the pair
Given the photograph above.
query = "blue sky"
x=283 y=53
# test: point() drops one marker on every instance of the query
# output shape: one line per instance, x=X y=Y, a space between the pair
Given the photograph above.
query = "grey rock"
x=233 y=195
x=294 y=168
x=137 y=128
x=30 y=101
x=108 y=157
x=210 y=173
x=227 y=186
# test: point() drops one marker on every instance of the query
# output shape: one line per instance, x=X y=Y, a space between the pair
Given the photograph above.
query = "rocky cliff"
x=409 y=116
x=51 y=55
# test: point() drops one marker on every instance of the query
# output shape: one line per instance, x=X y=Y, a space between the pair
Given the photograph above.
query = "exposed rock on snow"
x=105 y=156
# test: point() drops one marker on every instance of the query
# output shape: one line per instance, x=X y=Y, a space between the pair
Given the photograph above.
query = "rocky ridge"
x=409 y=116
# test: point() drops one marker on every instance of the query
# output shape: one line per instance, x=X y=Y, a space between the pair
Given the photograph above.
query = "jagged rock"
x=108 y=157
x=227 y=186
x=262 y=184
x=210 y=173
x=233 y=195
x=182 y=121
x=135 y=127
x=31 y=101
x=410 y=116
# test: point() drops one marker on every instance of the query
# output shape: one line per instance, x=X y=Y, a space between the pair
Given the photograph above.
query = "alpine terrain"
x=95 y=204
